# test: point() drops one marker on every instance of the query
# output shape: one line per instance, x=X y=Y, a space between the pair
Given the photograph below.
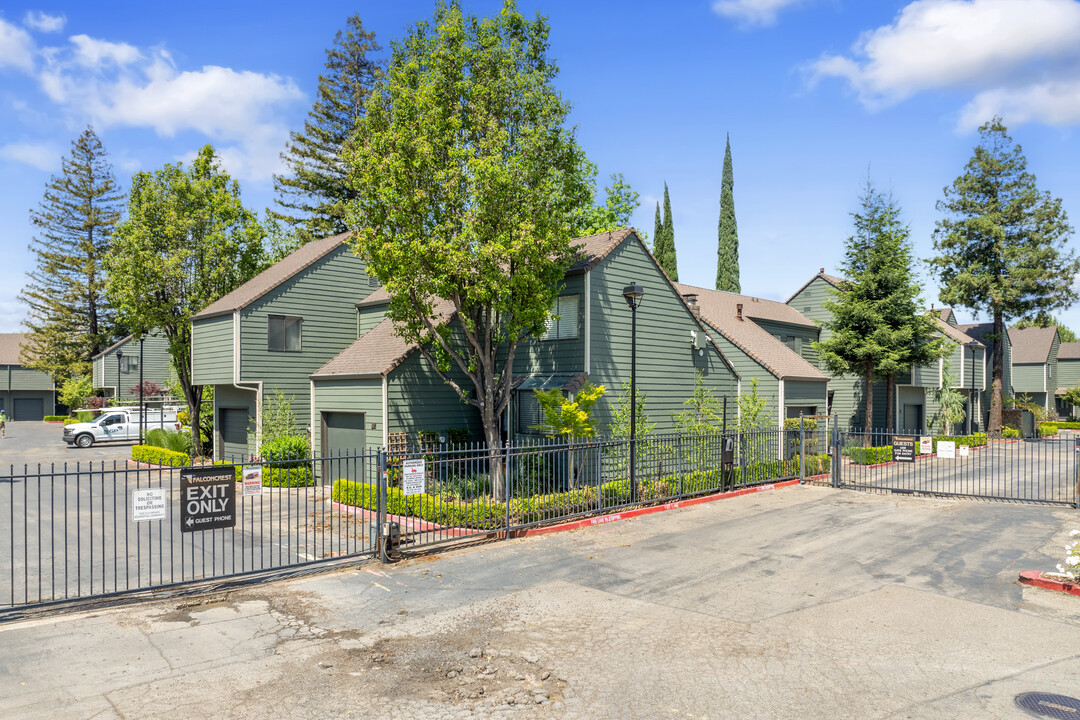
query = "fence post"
x=380 y=514
x=835 y=450
x=1076 y=475
x=506 y=484
x=802 y=451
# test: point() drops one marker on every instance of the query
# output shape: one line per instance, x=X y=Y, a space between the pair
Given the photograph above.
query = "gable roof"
x=1032 y=345
x=945 y=314
x=1069 y=351
x=273 y=276
x=720 y=309
x=953 y=332
x=10 y=348
x=831 y=279
x=118 y=343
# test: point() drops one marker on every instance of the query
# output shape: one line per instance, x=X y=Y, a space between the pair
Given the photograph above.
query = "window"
x=528 y=413
x=283 y=333
x=129 y=363
x=563 y=322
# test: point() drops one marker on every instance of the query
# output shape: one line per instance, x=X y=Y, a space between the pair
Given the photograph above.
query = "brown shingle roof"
x=719 y=310
x=272 y=276
x=953 y=331
x=378 y=297
x=831 y=279
x=10 y=347
x=378 y=351
x=594 y=248
x=1031 y=345
x=1069 y=351
x=112 y=347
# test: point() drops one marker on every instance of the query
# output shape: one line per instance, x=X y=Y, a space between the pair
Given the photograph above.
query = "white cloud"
x=16 y=47
x=93 y=53
x=40 y=155
x=117 y=85
x=752 y=12
x=1053 y=103
x=1003 y=50
x=37 y=20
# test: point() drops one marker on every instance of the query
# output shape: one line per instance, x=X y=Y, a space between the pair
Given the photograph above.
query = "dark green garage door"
x=233 y=426
x=28 y=409
x=343 y=440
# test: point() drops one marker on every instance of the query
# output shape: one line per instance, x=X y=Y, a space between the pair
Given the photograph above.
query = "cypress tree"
x=664 y=248
x=658 y=227
x=311 y=199
x=727 y=251
x=68 y=321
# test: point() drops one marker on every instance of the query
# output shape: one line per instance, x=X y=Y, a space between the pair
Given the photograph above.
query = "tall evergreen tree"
x=876 y=325
x=658 y=227
x=1002 y=245
x=68 y=320
x=313 y=195
x=664 y=246
x=727 y=251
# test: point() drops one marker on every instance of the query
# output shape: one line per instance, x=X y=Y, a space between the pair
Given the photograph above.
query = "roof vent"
x=822 y=271
x=738 y=311
x=691 y=302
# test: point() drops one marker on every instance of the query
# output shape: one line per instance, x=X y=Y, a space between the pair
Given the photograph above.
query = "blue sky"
x=815 y=94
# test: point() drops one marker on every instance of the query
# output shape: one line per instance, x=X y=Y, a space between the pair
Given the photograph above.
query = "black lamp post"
x=633 y=294
x=971 y=396
x=142 y=408
x=119 y=355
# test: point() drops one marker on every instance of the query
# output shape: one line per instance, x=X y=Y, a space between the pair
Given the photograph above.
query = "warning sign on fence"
x=926 y=445
x=207 y=498
x=946 y=449
x=252 y=480
x=413 y=477
x=148 y=504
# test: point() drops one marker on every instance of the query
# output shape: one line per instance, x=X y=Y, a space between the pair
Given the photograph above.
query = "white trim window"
x=283 y=333
x=562 y=324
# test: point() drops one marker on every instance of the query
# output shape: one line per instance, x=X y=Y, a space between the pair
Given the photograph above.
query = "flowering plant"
x=1071 y=568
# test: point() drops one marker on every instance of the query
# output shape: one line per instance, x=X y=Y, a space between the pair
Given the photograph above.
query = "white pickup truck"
x=116 y=425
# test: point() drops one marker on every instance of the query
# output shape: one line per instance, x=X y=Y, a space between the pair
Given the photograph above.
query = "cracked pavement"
x=802 y=602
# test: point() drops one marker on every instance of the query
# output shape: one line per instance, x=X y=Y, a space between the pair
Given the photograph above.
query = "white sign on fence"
x=946 y=449
x=926 y=445
x=148 y=504
x=413 y=476
x=963 y=450
x=252 y=480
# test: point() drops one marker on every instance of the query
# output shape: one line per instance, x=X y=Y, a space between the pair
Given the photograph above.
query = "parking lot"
x=31 y=443
x=804 y=602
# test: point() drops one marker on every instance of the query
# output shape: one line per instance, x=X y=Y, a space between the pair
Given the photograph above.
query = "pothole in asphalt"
x=1049 y=705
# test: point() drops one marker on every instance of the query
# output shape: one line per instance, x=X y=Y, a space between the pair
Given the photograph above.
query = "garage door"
x=28 y=409
x=343 y=440
x=233 y=432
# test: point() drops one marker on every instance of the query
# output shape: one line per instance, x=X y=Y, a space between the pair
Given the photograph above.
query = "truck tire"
x=84 y=440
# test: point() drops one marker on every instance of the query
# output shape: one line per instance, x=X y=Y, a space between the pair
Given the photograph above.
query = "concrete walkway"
x=798 y=603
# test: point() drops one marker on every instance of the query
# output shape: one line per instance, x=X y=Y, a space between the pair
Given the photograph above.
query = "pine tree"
x=1002 y=245
x=312 y=198
x=727 y=251
x=68 y=320
x=658 y=227
x=664 y=247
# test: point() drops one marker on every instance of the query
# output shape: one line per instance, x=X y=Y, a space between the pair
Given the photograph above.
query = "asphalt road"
x=29 y=444
x=804 y=602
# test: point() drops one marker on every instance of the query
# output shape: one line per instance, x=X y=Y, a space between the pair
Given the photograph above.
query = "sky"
x=816 y=96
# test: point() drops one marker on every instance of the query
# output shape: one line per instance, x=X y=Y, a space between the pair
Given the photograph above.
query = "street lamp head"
x=973 y=344
x=119 y=353
x=633 y=294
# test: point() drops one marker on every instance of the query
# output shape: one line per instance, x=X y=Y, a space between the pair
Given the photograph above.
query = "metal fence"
x=91 y=530
x=1041 y=471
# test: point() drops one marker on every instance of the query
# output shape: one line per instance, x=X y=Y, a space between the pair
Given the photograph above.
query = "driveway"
x=805 y=602
x=30 y=443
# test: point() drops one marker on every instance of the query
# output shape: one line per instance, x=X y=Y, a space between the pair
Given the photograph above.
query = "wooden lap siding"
x=228 y=397
x=353 y=396
x=212 y=350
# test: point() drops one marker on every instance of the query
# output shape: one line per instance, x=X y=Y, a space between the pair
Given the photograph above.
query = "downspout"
x=780 y=412
x=385 y=413
x=311 y=419
x=588 y=331
x=255 y=385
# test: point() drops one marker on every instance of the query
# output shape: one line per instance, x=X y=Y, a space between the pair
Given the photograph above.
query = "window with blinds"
x=528 y=412
x=563 y=322
x=283 y=333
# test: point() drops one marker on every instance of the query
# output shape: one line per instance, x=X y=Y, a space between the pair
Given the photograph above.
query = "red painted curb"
x=1039 y=579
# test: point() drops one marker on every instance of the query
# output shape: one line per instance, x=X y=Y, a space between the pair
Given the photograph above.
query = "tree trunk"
x=890 y=410
x=868 y=404
x=994 y=427
x=494 y=444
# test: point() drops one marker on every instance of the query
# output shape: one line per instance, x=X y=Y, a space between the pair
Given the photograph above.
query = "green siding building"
x=122 y=360
x=1068 y=376
x=272 y=332
x=1035 y=364
x=381 y=386
x=25 y=394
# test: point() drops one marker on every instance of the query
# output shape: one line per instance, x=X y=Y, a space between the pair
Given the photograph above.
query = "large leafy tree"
x=68 y=320
x=619 y=205
x=312 y=197
x=1002 y=245
x=187 y=241
x=664 y=244
x=468 y=182
x=727 y=251
x=876 y=326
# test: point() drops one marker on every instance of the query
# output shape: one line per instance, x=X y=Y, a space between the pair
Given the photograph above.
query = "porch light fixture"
x=633 y=294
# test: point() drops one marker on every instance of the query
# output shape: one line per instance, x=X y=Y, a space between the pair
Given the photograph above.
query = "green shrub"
x=174 y=440
x=71 y=421
x=287 y=451
x=55 y=418
x=159 y=456
x=973 y=440
x=278 y=476
x=1070 y=425
x=86 y=416
x=1010 y=432
x=869 y=455
x=1046 y=429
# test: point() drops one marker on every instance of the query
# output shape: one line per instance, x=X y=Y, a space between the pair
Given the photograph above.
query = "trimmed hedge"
x=869 y=455
x=1057 y=426
x=973 y=440
x=1046 y=429
x=159 y=456
x=55 y=418
x=278 y=476
x=71 y=421
x=487 y=514
x=1010 y=433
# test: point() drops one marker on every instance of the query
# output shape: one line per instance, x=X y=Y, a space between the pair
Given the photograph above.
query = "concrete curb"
x=1041 y=580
